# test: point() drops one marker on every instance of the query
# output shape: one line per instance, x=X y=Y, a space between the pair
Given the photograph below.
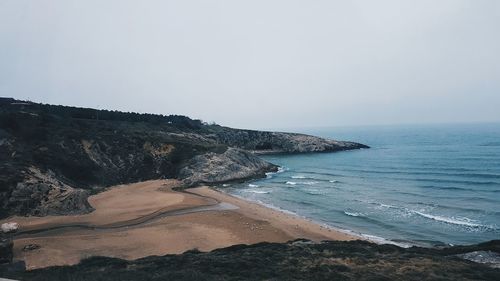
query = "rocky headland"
x=53 y=157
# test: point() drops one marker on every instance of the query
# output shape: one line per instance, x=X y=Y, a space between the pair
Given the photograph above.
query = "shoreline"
x=150 y=218
x=308 y=228
x=355 y=235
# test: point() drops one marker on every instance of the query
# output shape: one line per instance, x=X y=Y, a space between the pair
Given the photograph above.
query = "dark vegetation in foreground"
x=297 y=260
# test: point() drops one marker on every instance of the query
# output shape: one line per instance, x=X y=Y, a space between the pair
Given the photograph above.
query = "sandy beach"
x=150 y=218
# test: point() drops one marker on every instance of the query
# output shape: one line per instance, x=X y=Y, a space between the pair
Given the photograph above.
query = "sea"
x=424 y=185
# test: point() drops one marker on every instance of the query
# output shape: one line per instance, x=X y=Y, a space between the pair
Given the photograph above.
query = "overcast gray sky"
x=258 y=64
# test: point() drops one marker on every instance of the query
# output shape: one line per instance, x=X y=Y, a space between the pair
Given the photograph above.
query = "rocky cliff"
x=232 y=165
x=262 y=142
x=53 y=157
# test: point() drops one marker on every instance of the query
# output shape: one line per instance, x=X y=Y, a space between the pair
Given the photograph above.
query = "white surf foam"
x=252 y=185
x=257 y=191
x=372 y=238
x=380 y=240
x=309 y=182
x=450 y=220
x=387 y=206
x=314 y=191
x=269 y=175
x=298 y=177
x=290 y=183
x=353 y=214
x=280 y=170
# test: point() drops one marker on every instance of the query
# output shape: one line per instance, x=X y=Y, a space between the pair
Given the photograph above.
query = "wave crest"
x=353 y=214
x=257 y=191
x=450 y=220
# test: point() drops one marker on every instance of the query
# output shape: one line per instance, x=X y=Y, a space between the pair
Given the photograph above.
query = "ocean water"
x=416 y=185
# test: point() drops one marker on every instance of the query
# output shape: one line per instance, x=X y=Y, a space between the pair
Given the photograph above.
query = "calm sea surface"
x=424 y=185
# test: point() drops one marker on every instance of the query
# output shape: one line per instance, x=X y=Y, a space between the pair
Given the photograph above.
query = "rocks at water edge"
x=232 y=165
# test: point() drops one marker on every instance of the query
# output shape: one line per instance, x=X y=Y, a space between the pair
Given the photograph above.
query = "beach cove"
x=151 y=218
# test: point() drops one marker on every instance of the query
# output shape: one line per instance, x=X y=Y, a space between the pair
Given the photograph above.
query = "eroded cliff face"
x=53 y=157
x=43 y=194
x=55 y=175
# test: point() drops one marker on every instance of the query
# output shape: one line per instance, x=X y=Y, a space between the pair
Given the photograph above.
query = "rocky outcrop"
x=232 y=165
x=9 y=227
x=31 y=247
x=262 y=142
x=299 y=143
x=296 y=260
x=42 y=194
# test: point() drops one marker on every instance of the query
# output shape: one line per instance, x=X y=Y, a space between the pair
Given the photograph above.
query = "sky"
x=259 y=64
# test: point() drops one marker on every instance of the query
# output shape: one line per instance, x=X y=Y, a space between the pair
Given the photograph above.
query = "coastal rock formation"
x=232 y=165
x=31 y=247
x=276 y=142
x=296 y=260
x=53 y=157
x=43 y=194
x=9 y=227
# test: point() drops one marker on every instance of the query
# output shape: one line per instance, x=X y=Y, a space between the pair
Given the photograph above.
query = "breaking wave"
x=257 y=191
x=462 y=221
x=353 y=214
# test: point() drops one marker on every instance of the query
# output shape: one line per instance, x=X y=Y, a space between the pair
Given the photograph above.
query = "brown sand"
x=205 y=230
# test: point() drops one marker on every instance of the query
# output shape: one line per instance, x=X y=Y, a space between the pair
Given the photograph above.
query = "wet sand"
x=149 y=218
